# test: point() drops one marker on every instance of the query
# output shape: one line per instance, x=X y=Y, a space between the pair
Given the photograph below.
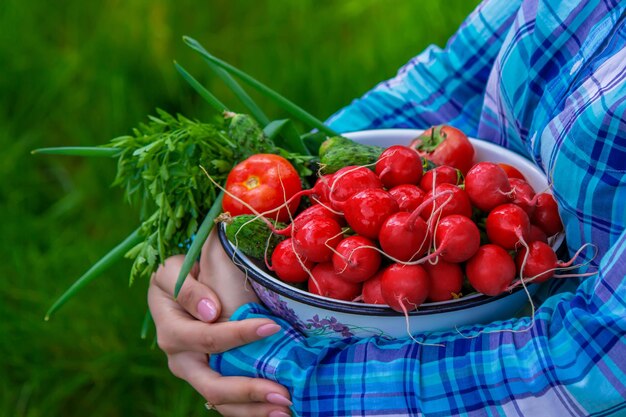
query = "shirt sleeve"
x=439 y=85
x=567 y=360
x=571 y=351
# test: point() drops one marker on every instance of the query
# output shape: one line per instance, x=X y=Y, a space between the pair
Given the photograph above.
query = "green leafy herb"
x=160 y=169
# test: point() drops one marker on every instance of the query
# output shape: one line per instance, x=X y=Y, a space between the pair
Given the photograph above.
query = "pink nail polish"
x=206 y=310
x=278 y=399
x=267 y=329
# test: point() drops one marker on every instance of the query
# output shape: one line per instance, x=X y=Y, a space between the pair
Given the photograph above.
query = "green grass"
x=80 y=73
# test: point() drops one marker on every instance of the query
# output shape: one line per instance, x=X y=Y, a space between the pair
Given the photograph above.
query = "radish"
x=523 y=195
x=348 y=181
x=408 y=196
x=316 y=210
x=321 y=189
x=546 y=214
x=287 y=265
x=508 y=225
x=446 y=280
x=442 y=174
x=325 y=282
x=404 y=287
x=491 y=270
x=540 y=263
x=366 y=211
x=487 y=186
x=455 y=201
x=456 y=238
x=537 y=263
x=404 y=236
x=372 y=293
x=338 y=187
x=536 y=234
x=398 y=165
x=356 y=259
x=316 y=239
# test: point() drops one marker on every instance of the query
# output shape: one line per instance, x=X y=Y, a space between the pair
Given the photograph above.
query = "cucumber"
x=248 y=135
x=337 y=152
x=251 y=235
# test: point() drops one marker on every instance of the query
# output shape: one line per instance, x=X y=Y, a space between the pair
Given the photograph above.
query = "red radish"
x=327 y=283
x=445 y=145
x=356 y=259
x=348 y=181
x=316 y=239
x=446 y=280
x=287 y=265
x=491 y=270
x=399 y=165
x=307 y=214
x=536 y=234
x=508 y=226
x=366 y=211
x=511 y=171
x=443 y=174
x=523 y=195
x=404 y=236
x=539 y=264
x=408 y=196
x=546 y=214
x=321 y=189
x=457 y=238
x=445 y=203
x=487 y=186
x=372 y=293
x=404 y=287
x=336 y=188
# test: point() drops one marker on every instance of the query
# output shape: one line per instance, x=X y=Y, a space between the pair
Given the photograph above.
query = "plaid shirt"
x=547 y=79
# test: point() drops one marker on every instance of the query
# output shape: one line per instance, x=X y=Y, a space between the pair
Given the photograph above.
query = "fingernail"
x=267 y=329
x=206 y=310
x=278 y=399
x=278 y=413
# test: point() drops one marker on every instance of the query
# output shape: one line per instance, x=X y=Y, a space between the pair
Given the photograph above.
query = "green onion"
x=116 y=254
x=284 y=134
x=286 y=104
x=204 y=93
x=147 y=321
x=78 y=151
x=196 y=246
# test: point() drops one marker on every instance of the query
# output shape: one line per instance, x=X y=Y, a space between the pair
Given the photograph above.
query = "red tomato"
x=265 y=182
x=445 y=145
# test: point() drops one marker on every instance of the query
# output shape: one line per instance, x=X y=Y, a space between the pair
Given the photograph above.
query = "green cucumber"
x=337 y=152
x=251 y=235
x=248 y=135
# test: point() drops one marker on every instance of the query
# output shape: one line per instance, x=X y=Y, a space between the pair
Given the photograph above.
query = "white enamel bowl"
x=321 y=316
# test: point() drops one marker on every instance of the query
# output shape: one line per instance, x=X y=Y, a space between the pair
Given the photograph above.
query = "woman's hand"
x=196 y=325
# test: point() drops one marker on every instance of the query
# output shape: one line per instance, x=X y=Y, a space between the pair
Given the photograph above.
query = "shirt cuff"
x=259 y=358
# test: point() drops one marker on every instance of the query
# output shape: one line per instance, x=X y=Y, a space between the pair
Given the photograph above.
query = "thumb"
x=194 y=297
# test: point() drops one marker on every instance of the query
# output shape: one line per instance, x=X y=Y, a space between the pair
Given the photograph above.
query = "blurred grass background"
x=80 y=73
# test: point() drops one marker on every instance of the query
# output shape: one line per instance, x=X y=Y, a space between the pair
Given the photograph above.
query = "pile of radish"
x=394 y=233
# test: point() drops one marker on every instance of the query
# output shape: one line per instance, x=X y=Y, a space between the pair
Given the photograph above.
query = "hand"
x=196 y=325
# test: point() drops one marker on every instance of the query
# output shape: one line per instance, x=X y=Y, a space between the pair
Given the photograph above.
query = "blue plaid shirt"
x=547 y=79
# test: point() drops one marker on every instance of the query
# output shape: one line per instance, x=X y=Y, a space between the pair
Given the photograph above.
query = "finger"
x=230 y=393
x=220 y=273
x=253 y=410
x=177 y=332
x=196 y=298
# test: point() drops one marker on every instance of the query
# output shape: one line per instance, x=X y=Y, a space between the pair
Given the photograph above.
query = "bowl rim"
x=256 y=270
